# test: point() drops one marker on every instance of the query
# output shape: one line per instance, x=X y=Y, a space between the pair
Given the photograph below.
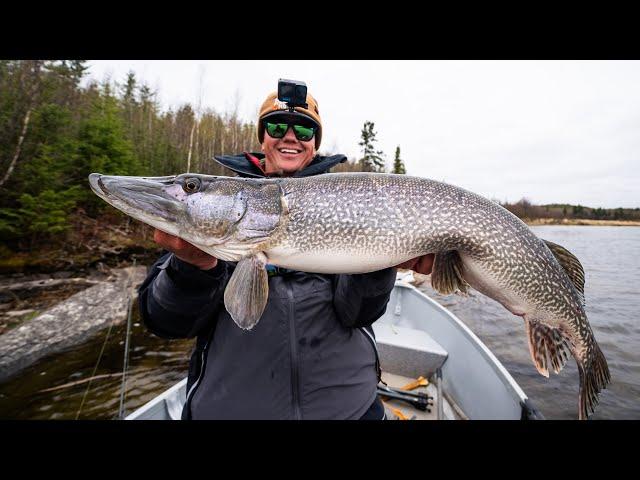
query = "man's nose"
x=290 y=135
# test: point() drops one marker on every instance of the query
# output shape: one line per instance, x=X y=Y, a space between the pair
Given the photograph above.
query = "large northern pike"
x=359 y=222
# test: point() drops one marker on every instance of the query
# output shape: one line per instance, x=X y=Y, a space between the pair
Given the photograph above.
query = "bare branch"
x=33 y=94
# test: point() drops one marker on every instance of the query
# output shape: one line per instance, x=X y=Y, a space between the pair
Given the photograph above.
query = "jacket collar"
x=245 y=168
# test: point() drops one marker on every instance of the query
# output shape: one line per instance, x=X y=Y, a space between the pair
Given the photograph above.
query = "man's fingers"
x=409 y=264
x=425 y=264
x=422 y=264
x=168 y=241
x=162 y=238
x=184 y=250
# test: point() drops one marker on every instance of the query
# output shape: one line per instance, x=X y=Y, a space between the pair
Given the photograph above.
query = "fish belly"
x=481 y=279
x=333 y=261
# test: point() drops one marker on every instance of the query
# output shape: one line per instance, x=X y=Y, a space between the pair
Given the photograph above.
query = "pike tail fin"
x=550 y=348
x=594 y=376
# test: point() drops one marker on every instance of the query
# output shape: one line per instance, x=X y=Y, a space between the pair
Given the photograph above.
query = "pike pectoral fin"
x=245 y=297
x=548 y=346
x=446 y=274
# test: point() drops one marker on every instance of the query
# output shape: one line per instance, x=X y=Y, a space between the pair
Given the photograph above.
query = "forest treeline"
x=526 y=210
x=55 y=129
x=54 y=132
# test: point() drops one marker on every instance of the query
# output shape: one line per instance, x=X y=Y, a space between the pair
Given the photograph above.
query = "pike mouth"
x=144 y=198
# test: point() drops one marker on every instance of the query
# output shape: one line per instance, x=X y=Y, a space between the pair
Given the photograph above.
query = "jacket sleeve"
x=178 y=300
x=359 y=300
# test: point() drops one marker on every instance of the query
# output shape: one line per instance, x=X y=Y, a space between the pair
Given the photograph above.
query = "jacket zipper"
x=372 y=340
x=195 y=384
x=192 y=390
x=294 y=357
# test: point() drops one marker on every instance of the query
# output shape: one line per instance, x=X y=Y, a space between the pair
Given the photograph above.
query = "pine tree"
x=372 y=160
x=129 y=92
x=103 y=146
x=54 y=132
x=398 y=164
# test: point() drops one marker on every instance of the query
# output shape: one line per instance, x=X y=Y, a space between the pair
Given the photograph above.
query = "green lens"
x=303 y=133
x=276 y=130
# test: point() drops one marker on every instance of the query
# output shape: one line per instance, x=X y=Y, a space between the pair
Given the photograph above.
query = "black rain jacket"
x=312 y=355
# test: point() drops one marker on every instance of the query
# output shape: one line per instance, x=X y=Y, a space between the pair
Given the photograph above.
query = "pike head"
x=228 y=217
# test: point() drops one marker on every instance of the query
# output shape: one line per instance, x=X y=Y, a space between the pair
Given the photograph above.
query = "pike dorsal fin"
x=570 y=263
x=245 y=297
x=446 y=274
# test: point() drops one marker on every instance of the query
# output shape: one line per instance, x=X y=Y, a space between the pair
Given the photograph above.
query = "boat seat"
x=407 y=351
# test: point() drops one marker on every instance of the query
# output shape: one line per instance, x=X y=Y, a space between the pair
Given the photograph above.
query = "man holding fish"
x=274 y=342
x=313 y=353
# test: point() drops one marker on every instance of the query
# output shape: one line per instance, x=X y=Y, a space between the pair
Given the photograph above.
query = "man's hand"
x=185 y=251
x=421 y=265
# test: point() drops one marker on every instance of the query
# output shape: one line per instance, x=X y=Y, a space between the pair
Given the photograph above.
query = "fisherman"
x=313 y=353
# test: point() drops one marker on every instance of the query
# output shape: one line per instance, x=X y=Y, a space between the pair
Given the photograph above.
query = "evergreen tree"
x=48 y=212
x=372 y=160
x=129 y=91
x=398 y=164
x=618 y=214
x=578 y=210
x=103 y=146
x=53 y=133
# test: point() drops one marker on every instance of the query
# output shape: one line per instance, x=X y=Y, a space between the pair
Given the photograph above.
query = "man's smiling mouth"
x=289 y=150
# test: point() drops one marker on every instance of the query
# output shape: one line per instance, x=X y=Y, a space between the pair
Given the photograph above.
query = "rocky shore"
x=101 y=302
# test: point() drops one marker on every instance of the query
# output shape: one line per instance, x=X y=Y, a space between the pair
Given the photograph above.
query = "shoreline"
x=69 y=322
x=580 y=222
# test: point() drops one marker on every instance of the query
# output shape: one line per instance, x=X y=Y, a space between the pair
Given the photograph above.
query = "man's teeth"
x=287 y=150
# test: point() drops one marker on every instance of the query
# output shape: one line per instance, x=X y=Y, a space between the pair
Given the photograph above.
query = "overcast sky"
x=550 y=131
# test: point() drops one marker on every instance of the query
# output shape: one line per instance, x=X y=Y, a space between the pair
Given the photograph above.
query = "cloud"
x=554 y=131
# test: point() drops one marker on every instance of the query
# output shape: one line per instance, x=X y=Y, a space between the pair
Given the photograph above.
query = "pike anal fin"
x=245 y=297
x=446 y=274
x=548 y=346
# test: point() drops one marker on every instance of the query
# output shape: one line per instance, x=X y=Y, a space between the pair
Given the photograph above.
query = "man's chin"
x=290 y=165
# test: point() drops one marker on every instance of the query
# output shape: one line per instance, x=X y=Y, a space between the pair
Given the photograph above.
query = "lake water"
x=611 y=260
x=155 y=364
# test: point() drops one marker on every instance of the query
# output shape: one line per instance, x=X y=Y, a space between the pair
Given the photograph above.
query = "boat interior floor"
x=408 y=411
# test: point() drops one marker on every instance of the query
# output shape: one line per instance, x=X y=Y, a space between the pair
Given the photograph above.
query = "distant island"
x=566 y=214
x=581 y=221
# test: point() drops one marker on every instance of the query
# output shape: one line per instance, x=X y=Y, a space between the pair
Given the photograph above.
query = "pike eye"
x=191 y=185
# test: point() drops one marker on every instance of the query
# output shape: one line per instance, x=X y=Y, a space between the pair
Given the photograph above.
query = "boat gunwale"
x=496 y=364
